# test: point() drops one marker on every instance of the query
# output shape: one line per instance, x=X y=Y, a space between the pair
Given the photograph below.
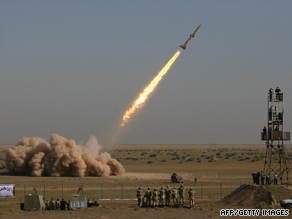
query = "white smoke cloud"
x=61 y=157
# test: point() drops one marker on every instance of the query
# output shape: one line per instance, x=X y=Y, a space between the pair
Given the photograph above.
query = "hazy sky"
x=74 y=67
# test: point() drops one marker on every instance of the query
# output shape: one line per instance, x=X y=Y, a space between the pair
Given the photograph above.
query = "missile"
x=183 y=46
x=193 y=34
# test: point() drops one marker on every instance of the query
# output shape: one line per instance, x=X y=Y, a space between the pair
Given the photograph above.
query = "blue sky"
x=74 y=67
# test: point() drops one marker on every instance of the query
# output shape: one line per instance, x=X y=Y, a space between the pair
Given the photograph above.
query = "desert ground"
x=220 y=169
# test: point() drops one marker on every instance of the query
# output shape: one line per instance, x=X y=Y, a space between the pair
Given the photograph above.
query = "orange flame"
x=143 y=96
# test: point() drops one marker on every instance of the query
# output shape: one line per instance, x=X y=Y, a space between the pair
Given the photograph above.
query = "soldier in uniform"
x=167 y=196
x=144 y=203
x=161 y=197
x=276 y=179
x=174 y=197
x=267 y=179
x=254 y=177
x=196 y=179
x=68 y=205
x=271 y=94
x=262 y=178
x=52 y=204
x=58 y=204
x=47 y=203
x=139 y=196
x=63 y=204
x=148 y=197
x=181 y=192
x=192 y=197
x=155 y=198
x=258 y=178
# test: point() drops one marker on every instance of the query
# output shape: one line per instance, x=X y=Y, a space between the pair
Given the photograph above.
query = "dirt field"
x=118 y=210
x=220 y=169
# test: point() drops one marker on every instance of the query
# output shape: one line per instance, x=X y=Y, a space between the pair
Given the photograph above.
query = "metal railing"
x=275 y=135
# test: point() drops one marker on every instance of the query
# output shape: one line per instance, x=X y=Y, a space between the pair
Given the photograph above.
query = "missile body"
x=183 y=46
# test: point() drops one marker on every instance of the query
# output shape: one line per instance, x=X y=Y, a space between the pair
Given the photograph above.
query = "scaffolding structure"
x=277 y=164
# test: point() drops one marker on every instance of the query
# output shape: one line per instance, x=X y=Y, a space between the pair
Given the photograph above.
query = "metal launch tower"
x=277 y=164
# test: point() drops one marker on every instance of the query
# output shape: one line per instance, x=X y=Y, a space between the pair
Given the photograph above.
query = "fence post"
x=220 y=189
x=82 y=187
x=101 y=191
x=122 y=192
x=201 y=190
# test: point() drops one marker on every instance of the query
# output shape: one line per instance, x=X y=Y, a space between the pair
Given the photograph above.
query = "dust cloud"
x=61 y=157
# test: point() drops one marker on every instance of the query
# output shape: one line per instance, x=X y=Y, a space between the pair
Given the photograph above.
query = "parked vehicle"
x=176 y=178
x=286 y=203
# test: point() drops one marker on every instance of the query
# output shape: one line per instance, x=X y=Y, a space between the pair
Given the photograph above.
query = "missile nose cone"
x=197 y=29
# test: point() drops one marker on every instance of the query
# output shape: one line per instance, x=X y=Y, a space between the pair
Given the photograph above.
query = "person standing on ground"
x=63 y=204
x=155 y=198
x=161 y=197
x=181 y=192
x=167 y=196
x=148 y=196
x=192 y=197
x=254 y=177
x=139 y=196
x=267 y=179
x=276 y=179
x=262 y=178
x=174 y=197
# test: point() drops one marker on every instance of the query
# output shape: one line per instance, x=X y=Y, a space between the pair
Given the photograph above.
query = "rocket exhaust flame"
x=143 y=96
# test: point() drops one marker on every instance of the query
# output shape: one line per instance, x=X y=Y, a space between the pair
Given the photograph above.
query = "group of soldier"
x=56 y=205
x=260 y=176
x=162 y=197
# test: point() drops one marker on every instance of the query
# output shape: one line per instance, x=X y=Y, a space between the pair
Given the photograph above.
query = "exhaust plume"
x=143 y=96
x=61 y=157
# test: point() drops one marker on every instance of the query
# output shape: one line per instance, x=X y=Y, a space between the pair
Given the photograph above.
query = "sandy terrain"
x=185 y=147
x=110 y=213
x=154 y=174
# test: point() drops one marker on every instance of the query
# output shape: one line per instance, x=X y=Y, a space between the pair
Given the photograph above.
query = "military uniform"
x=52 y=204
x=167 y=196
x=181 y=192
x=192 y=197
x=161 y=197
x=139 y=196
x=155 y=198
x=144 y=202
x=58 y=204
x=262 y=178
x=276 y=179
x=63 y=205
x=148 y=197
x=47 y=203
x=267 y=179
x=174 y=197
